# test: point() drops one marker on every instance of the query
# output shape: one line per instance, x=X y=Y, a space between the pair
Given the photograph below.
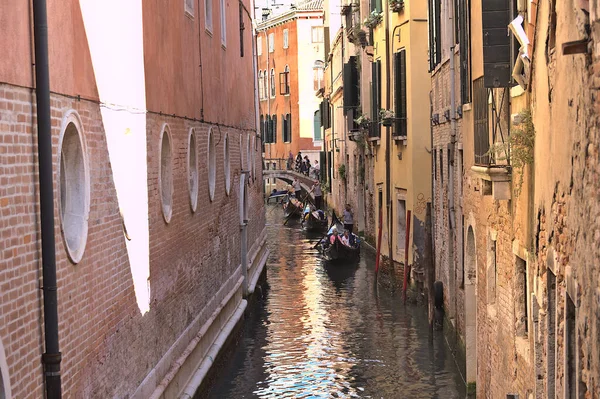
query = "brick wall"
x=108 y=347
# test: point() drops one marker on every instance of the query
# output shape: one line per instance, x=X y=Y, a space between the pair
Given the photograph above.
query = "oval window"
x=166 y=175
x=227 y=165
x=74 y=194
x=212 y=165
x=193 y=170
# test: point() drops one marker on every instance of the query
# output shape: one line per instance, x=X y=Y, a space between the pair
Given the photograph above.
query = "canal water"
x=327 y=331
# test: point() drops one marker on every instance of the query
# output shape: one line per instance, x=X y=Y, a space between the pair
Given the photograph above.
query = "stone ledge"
x=500 y=177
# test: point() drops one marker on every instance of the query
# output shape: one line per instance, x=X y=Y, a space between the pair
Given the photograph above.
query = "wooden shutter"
x=400 y=92
x=274 y=128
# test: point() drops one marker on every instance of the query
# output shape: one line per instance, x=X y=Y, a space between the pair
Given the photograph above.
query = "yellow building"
x=402 y=160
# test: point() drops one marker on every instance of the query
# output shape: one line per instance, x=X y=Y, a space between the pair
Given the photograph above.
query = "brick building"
x=514 y=212
x=150 y=137
x=290 y=48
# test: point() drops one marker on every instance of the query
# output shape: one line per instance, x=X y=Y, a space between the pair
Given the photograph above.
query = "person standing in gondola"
x=316 y=189
x=348 y=218
x=297 y=187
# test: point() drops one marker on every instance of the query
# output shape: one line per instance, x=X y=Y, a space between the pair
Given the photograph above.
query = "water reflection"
x=325 y=331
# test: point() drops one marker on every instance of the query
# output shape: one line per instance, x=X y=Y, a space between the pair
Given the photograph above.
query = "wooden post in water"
x=406 y=246
x=378 y=243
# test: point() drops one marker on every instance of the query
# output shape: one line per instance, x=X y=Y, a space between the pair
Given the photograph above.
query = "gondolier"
x=297 y=186
x=348 y=218
x=316 y=189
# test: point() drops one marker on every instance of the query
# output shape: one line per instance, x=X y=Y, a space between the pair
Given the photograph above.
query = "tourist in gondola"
x=333 y=236
x=346 y=238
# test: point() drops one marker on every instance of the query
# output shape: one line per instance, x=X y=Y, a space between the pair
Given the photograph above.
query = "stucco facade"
x=520 y=290
x=164 y=134
x=402 y=154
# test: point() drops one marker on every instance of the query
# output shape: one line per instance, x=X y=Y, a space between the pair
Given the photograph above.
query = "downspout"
x=244 y=234
x=52 y=357
x=431 y=272
x=388 y=149
x=452 y=154
x=201 y=78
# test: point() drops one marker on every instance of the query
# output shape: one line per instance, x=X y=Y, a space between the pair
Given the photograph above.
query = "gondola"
x=314 y=220
x=278 y=196
x=337 y=251
x=292 y=207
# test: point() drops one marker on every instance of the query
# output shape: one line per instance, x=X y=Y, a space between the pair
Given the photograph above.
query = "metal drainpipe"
x=388 y=149
x=452 y=154
x=244 y=231
x=52 y=357
x=431 y=273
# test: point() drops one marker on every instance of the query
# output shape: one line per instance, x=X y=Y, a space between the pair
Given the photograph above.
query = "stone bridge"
x=288 y=176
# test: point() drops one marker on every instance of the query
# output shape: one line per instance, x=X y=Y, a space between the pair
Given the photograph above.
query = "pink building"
x=153 y=122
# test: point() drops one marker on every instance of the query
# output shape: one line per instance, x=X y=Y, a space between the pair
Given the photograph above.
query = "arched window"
x=265 y=85
x=272 y=82
x=318 y=68
x=260 y=85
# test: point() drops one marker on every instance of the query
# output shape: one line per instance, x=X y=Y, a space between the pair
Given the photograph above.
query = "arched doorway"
x=471 y=306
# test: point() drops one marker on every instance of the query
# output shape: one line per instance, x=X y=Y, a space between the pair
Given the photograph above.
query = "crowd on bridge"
x=303 y=165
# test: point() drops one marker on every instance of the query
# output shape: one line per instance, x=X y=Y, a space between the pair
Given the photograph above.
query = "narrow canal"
x=326 y=331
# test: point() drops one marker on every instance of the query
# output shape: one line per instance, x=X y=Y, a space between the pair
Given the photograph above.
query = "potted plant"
x=373 y=19
x=397 y=5
x=361 y=36
x=363 y=121
x=386 y=117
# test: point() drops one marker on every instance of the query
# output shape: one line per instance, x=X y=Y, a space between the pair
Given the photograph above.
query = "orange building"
x=290 y=49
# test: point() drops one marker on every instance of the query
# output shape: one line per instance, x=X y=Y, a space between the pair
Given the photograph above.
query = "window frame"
x=284 y=85
x=320 y=34
x=208 y=16
x=286 y=39
x=272 y=91
x=271 y=42
x=189 y=8
x=259 y=45
x=223 y=22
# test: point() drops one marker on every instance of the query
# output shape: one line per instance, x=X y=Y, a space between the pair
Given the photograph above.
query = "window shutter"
x=400 y=92
x=274 y=128
x=317 y=125
x=350 y=82
x=282 y=83
x=289 y=123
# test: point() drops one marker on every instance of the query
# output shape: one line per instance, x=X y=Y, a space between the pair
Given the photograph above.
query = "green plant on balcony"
x=373 y=19
x=397 y=5
x=519 y=148
x=363 y=121
x=386 y=117
x=342 y=171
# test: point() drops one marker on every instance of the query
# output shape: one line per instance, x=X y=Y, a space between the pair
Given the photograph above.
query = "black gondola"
x=336 y=250
x=292 y=207
x=314 y=220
